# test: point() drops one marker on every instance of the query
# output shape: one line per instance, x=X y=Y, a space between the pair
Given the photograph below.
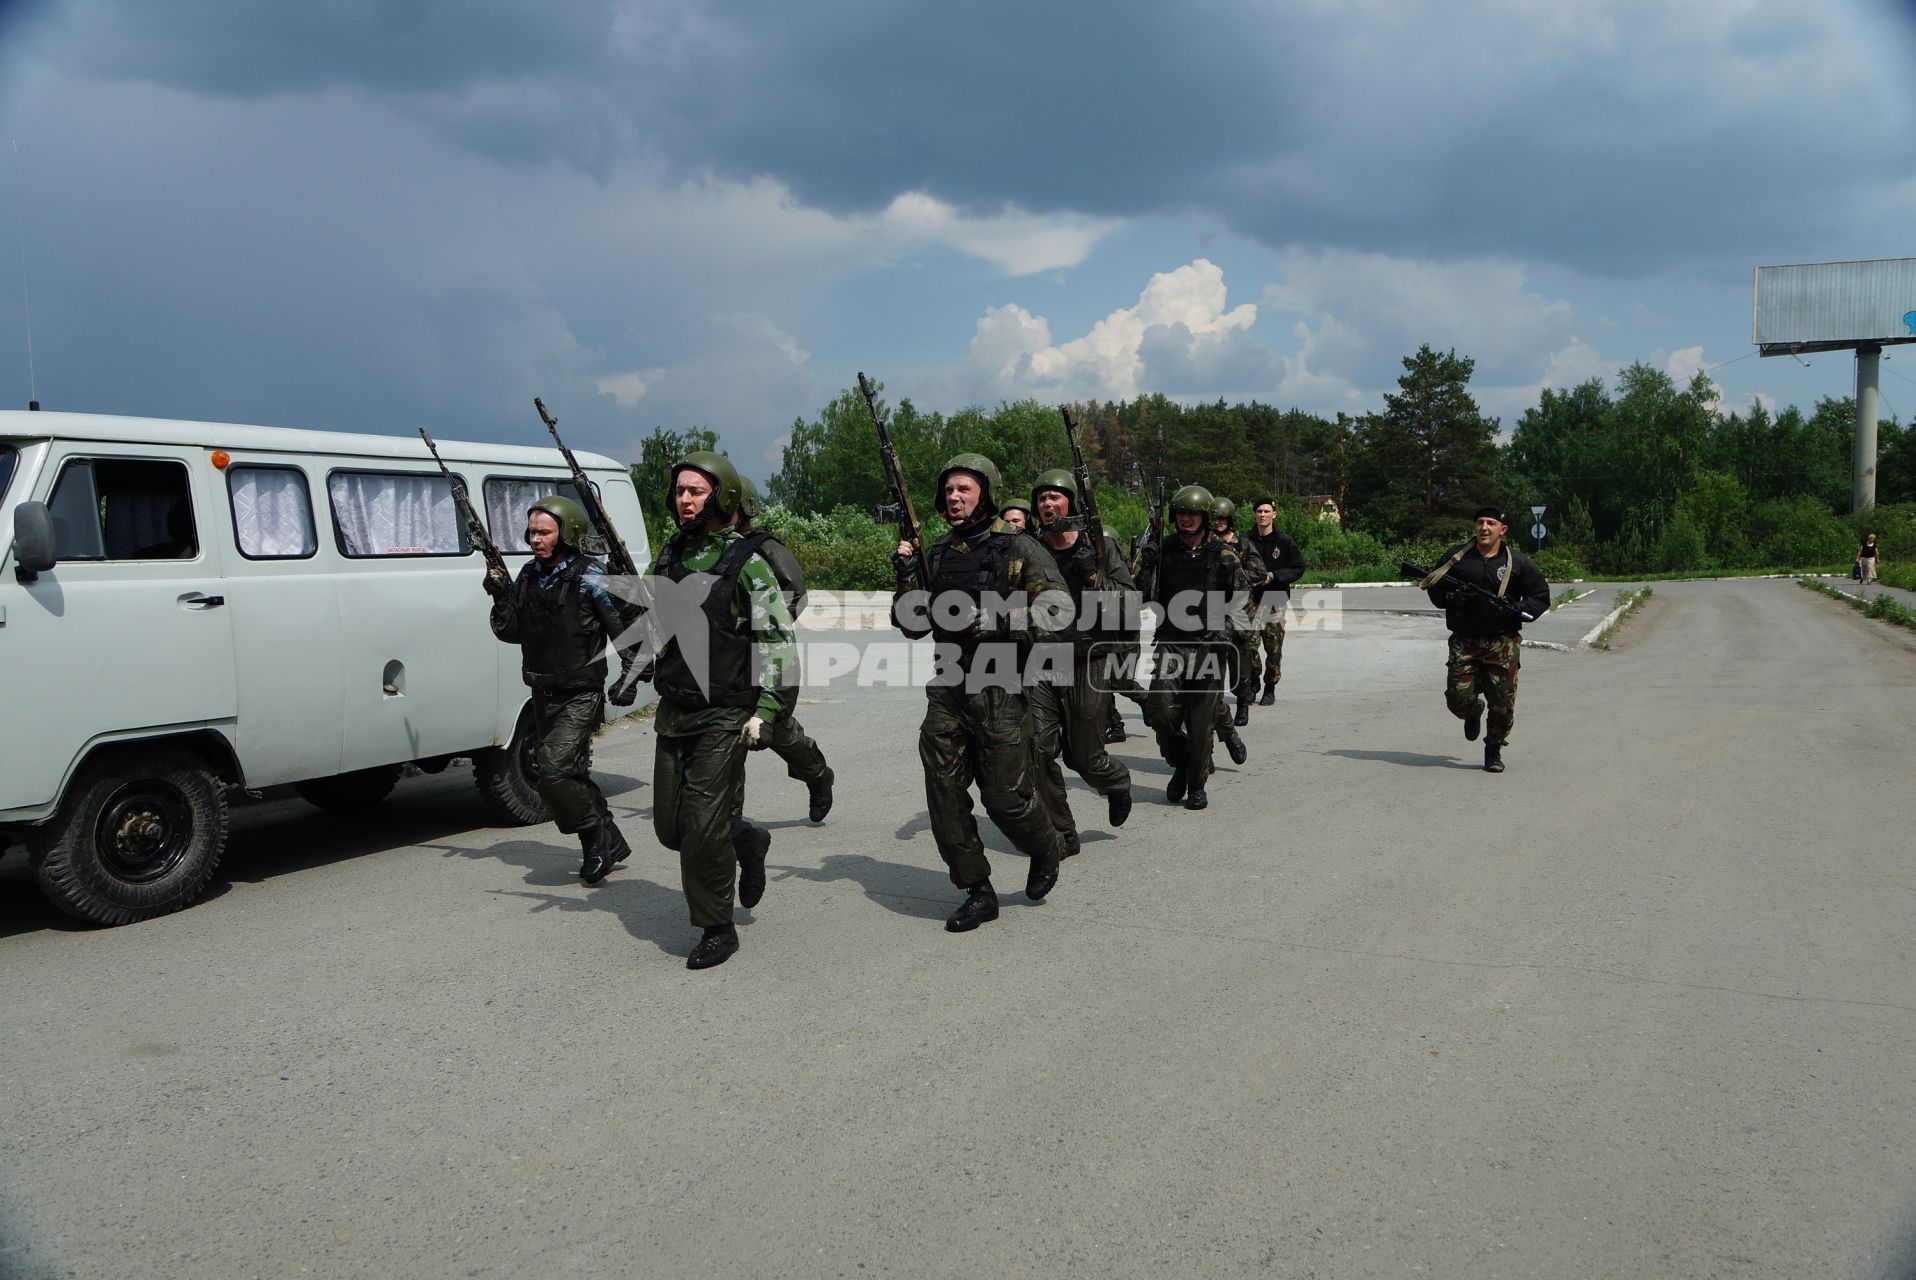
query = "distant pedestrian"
x=1866 y=560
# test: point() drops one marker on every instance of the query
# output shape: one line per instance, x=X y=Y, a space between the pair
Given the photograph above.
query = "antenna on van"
x=26 y=298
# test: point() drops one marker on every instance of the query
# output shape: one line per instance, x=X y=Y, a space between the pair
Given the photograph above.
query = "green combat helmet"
x=1192 y=497
x=982 y=467
x=1019 y=504
x=567 y=511
x=717 y=468
x=747 y=498
x=1223 y=509
x=1063 y=481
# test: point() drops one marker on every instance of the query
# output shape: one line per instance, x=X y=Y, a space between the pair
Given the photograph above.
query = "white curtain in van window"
x=506 y=504
x=382 y=515
x=272 y=514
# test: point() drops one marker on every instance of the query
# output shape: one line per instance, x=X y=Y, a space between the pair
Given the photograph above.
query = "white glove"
x=752 y=734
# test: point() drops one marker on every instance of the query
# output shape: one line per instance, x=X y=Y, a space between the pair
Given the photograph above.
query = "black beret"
x=1495 y=513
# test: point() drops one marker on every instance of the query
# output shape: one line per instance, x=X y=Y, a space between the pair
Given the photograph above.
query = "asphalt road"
x=1639 y=1007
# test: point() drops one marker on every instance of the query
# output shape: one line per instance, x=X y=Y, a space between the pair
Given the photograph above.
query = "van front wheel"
x=137 y=838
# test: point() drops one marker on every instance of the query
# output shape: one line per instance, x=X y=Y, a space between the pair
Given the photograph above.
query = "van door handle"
x=201 y=602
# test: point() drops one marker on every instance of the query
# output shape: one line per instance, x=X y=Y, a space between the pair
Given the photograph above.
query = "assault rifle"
x=1152 y=535
x=617 y=558
x=1505 y=603
x=475 y=527
x=900 y=511
x=1087 y=515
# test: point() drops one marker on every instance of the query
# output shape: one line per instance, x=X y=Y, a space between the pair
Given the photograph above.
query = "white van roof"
x=27 y=425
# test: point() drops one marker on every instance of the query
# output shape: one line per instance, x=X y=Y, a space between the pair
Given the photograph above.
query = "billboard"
x=1832 y=306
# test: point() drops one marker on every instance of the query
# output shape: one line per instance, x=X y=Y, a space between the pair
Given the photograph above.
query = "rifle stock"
x=900 y=512
x=475 y=527
x=617 y=558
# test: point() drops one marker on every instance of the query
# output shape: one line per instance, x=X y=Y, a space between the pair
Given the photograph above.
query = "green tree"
x=1718 y=507
x=1428 y=458
x=1895 y=463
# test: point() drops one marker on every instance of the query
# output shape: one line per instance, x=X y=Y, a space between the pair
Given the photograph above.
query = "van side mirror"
x=32 y=540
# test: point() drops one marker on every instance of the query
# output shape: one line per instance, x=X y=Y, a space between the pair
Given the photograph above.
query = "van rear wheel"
x=360 y=789
x=504 y=776
x=137 y=837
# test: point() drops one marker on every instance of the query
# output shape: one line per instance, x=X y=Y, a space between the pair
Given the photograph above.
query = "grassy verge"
x=1881 y=606
x=1565 y=596
x=1628 y=602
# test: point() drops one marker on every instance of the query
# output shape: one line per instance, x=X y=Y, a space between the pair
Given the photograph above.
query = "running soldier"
x=1285 y=561
x=1070 y=698
x=789 y=741
x=1189 y=581
x=1486 y=626
x=708 y=719
x=561 y=614
x=985 y=578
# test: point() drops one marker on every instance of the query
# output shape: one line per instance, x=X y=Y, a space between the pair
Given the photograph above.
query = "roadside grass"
x=1698 y=575
x=1881 y=606
x=1565 y=596
x=1628 y=602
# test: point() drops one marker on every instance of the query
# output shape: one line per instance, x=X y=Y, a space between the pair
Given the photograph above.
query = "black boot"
x=980 y=905
x=719 y=944
x=598 y=861
x=1243 y=716
x=751 y=843
x=1120 y=807
x=1234 y=743
x=1071 y=844
x=1043 y=875
x=1270 y=695
x=1474 y=723
x=1174 y=789
x=615 y=842
x=1115 y=732
x=1493 y=759
x=1197 y=799
x=821 y=796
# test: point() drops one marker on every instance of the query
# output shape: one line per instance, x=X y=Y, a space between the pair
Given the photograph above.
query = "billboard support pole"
x=1862 y=493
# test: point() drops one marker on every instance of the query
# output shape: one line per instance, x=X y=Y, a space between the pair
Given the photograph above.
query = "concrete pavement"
x=1638 y=1007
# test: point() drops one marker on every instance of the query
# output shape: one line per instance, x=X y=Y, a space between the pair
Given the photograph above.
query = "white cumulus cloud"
x=1012 y=353
x=626 y=388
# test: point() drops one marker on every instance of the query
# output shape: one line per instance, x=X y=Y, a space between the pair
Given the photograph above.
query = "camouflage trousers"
x=1270 y=637
x=1486 y=667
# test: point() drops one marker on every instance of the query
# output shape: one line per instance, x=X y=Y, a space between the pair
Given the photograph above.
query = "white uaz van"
x=190 y=606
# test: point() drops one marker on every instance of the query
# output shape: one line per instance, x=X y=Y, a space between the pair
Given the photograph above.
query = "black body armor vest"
x=971 y=571
x=731 y=678
x=1179 y=572
x=561 y=643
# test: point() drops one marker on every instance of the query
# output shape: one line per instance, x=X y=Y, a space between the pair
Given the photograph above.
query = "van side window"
x=508 y=497
x=272 y=513
x=379 y=513
x=123 y=509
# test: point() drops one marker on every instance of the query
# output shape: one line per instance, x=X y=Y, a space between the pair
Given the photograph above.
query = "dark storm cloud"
x=1613 y=139
x=245 y=49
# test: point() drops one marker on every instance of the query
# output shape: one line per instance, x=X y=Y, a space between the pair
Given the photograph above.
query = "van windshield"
x=9 y=457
